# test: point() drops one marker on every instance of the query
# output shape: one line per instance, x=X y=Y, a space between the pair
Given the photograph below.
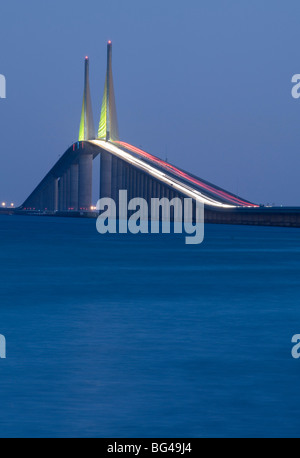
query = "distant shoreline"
x=262 y=216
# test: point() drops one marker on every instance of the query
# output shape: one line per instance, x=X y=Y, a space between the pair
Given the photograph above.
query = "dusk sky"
x=205 y=83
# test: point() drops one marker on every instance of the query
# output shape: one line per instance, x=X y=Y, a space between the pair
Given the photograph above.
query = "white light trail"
x=169 y=180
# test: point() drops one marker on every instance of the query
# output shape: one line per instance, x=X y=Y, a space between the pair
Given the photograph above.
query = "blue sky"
x=205 y=83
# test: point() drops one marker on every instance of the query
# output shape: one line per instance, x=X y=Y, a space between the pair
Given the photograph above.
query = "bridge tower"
x=87 y=127
x=108 y=126
x=108 y=130
x=80 y=188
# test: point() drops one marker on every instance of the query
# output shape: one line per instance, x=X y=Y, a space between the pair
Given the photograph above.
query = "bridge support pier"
x=85 y=181
x=55 y=197
x=105 y=175
x=68 y=187
x=65 y=191
x=74 y=187
x=60 y=193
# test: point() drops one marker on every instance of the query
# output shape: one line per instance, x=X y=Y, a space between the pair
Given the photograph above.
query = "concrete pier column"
x=105 y=174
x=55 y=194
x=154 y=188
x=114 y=182
x=142 y=186
x=65 y=192
x=74 y=169
x=149 y=188
x=159 y=189
x=60 y=193
x=145 y=184
x=68 y=197
x=147 y=194
x=134 y=184
x=137 y=184
x=150 y=185
x=126 y=183
x=130 y=184
x=139 y=192
x=120 y=175
x=85 y=181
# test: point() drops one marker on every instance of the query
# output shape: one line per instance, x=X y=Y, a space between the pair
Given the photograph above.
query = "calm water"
x=143 y=336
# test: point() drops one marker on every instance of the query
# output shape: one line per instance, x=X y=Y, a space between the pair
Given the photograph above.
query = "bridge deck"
x=183 y=182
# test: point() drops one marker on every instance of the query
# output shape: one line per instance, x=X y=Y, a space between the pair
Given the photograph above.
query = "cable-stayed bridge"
x=67 y=188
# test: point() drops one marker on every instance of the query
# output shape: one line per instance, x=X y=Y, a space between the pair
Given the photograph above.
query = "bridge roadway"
x=179 y=180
